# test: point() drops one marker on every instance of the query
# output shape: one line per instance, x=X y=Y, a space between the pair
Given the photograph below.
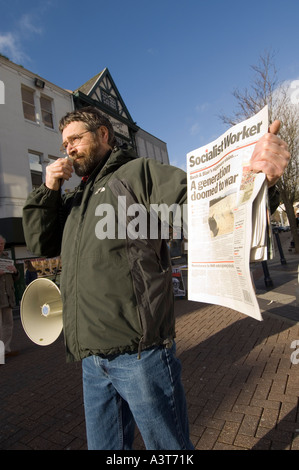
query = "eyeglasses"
x=73 y=140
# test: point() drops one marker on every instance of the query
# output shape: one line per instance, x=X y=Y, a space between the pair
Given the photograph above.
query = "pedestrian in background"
x=30 y=273
x=7 y=300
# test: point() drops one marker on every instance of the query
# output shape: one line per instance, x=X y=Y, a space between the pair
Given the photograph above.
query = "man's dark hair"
x=92 y=119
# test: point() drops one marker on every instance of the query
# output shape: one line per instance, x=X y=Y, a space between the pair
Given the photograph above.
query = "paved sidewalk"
x=242 y=386
x=282 y=298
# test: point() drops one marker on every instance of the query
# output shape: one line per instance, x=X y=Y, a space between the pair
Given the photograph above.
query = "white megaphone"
x=41 y=311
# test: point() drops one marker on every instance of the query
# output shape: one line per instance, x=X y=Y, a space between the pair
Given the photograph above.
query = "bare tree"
x=266 y=90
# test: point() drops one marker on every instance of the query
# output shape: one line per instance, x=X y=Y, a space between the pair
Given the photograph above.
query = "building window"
x=35 y=162
x=46 y=110
x=109 y=100
x=28 y=104
x=36 y=179
x=36 y=169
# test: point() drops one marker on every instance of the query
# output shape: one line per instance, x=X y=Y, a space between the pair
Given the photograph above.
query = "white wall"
x=18 y=135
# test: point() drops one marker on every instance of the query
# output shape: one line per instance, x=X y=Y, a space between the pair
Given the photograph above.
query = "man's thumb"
x=274 y=127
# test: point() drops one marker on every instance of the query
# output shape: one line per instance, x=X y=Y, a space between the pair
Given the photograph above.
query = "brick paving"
x=242 y=387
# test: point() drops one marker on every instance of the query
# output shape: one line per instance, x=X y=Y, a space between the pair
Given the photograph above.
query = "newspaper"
x=5 y=264
x=228 y=218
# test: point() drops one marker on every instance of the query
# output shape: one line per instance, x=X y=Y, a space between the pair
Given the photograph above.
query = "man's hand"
x=59 y=171
x=12 y=269
x=271 y=155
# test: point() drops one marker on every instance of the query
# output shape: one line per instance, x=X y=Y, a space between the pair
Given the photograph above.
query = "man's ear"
x=103 y=134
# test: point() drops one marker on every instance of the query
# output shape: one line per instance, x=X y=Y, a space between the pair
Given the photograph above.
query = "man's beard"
x=86 y=165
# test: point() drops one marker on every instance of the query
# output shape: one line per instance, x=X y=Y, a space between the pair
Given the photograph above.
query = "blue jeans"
x=121 y=390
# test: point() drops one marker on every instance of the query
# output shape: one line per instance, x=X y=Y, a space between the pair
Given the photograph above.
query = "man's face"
x=85 y=148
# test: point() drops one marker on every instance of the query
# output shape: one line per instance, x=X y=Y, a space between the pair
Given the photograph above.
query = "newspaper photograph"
x=227 y=218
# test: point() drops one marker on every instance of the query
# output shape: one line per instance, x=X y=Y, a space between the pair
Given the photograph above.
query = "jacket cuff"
x=274 y=198
x=47 y=194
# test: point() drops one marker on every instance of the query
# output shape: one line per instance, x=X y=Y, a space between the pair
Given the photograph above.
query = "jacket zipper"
x=139 y=348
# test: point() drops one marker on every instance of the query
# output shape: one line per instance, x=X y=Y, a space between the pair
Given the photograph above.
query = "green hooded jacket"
x=116 y=288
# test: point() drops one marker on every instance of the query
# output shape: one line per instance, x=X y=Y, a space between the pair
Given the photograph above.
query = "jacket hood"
x=117 y=157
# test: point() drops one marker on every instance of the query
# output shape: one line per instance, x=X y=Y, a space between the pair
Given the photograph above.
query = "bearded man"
x=118 y=305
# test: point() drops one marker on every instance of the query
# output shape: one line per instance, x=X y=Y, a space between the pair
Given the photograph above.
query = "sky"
x=175 y=64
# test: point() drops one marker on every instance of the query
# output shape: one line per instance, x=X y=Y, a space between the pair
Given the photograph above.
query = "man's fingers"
x=270 y=155
x=58 y=171
x=274 y=127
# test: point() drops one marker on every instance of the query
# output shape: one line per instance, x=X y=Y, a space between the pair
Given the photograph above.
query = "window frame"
x=46 y=111
x=25 y=103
